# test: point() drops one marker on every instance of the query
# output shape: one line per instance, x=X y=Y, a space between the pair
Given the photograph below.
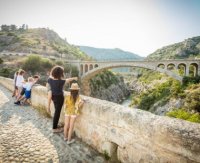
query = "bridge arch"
x=193 y=69
x=87 y=76
x=96 y=65
x=91 y=67
x=171 y=66
x=182 y=69
x=86 y=68
x=161 y=65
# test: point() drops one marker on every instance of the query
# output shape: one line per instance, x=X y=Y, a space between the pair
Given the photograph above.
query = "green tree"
x=74 y=71
x=32 y=63
x=46 y=63
x=5 y=28
x=13 y=27
x=192 y=100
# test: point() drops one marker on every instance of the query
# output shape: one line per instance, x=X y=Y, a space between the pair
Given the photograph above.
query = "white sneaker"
x=71 y=141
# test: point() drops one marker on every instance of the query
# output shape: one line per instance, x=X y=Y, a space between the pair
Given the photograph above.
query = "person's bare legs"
x=71 y=127
x=66 y=127
x=21 y=98
x=16 y=93
x=19 y=94
x=49 y=102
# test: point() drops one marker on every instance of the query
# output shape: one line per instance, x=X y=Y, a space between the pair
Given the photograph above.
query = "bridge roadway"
x=26 y=136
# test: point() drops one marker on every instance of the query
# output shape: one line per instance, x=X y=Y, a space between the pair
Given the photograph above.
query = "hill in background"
x=109 y=54
x=190 y=48
x=37 y=41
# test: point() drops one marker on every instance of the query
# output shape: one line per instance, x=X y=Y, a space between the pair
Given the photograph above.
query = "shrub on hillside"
x=46 y=63
x=164 y=91
x=183 y=114
x=1 y=60
x=190 y=80
x=192 y=100
x=7 y=72
x=147 y=76
x=32 y=63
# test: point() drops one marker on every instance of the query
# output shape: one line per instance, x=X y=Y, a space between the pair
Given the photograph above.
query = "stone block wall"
x=130 y=135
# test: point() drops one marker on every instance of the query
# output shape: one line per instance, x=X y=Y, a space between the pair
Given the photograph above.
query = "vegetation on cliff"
x=37 y=41
x=162 y=95
x=161 y=92
x=190 y=110
x=108 y=86
x=190 y=48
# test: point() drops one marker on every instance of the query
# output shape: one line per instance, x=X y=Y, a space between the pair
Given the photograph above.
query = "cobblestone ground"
x=26 y=136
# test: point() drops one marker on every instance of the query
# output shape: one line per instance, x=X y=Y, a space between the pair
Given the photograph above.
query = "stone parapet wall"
x=129 y=135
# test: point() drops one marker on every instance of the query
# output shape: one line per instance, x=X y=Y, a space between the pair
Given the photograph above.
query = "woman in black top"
x=57 y=83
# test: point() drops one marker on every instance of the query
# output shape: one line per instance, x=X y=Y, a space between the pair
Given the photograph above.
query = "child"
x=28 y=86
x=22 y=92
x=19 y=81
x=73 y=103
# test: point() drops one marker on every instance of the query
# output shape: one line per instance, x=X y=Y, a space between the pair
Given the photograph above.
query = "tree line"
x=13 y=27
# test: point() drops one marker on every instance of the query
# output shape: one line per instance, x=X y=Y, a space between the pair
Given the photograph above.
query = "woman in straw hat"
x=73 y=103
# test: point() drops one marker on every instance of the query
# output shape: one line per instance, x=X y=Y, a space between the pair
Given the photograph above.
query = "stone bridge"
x=88 y=69
x=125 y=135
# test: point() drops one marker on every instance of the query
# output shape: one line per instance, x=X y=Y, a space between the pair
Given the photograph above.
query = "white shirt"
x=24 y=85
x=29 y=86
x=19 y=81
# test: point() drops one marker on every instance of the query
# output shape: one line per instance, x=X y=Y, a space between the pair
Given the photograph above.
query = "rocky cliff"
x=108 y=86
x=188 y=48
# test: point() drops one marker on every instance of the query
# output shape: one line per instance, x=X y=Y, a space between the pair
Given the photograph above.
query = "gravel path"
x=26 y=136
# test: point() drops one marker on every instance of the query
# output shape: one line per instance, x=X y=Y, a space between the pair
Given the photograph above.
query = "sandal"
x=57 y=130
x=71 y=141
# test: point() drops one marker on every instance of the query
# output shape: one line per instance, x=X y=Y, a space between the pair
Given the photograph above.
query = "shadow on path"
x=26 y=134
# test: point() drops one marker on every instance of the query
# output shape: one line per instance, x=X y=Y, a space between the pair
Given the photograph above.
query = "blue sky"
x=139 y=26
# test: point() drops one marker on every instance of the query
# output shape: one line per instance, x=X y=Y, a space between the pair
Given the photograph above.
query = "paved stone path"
x=26 y=136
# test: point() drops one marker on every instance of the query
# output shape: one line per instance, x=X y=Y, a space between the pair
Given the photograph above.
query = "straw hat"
x=74 y=86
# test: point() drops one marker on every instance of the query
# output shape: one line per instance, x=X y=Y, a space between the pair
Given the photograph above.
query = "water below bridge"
x=126 y=102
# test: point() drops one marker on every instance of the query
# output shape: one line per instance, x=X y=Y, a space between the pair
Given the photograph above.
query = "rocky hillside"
x=38 y=41
x=108 y=86
x=190 y=48
x=109 y=54
x=162 y=95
